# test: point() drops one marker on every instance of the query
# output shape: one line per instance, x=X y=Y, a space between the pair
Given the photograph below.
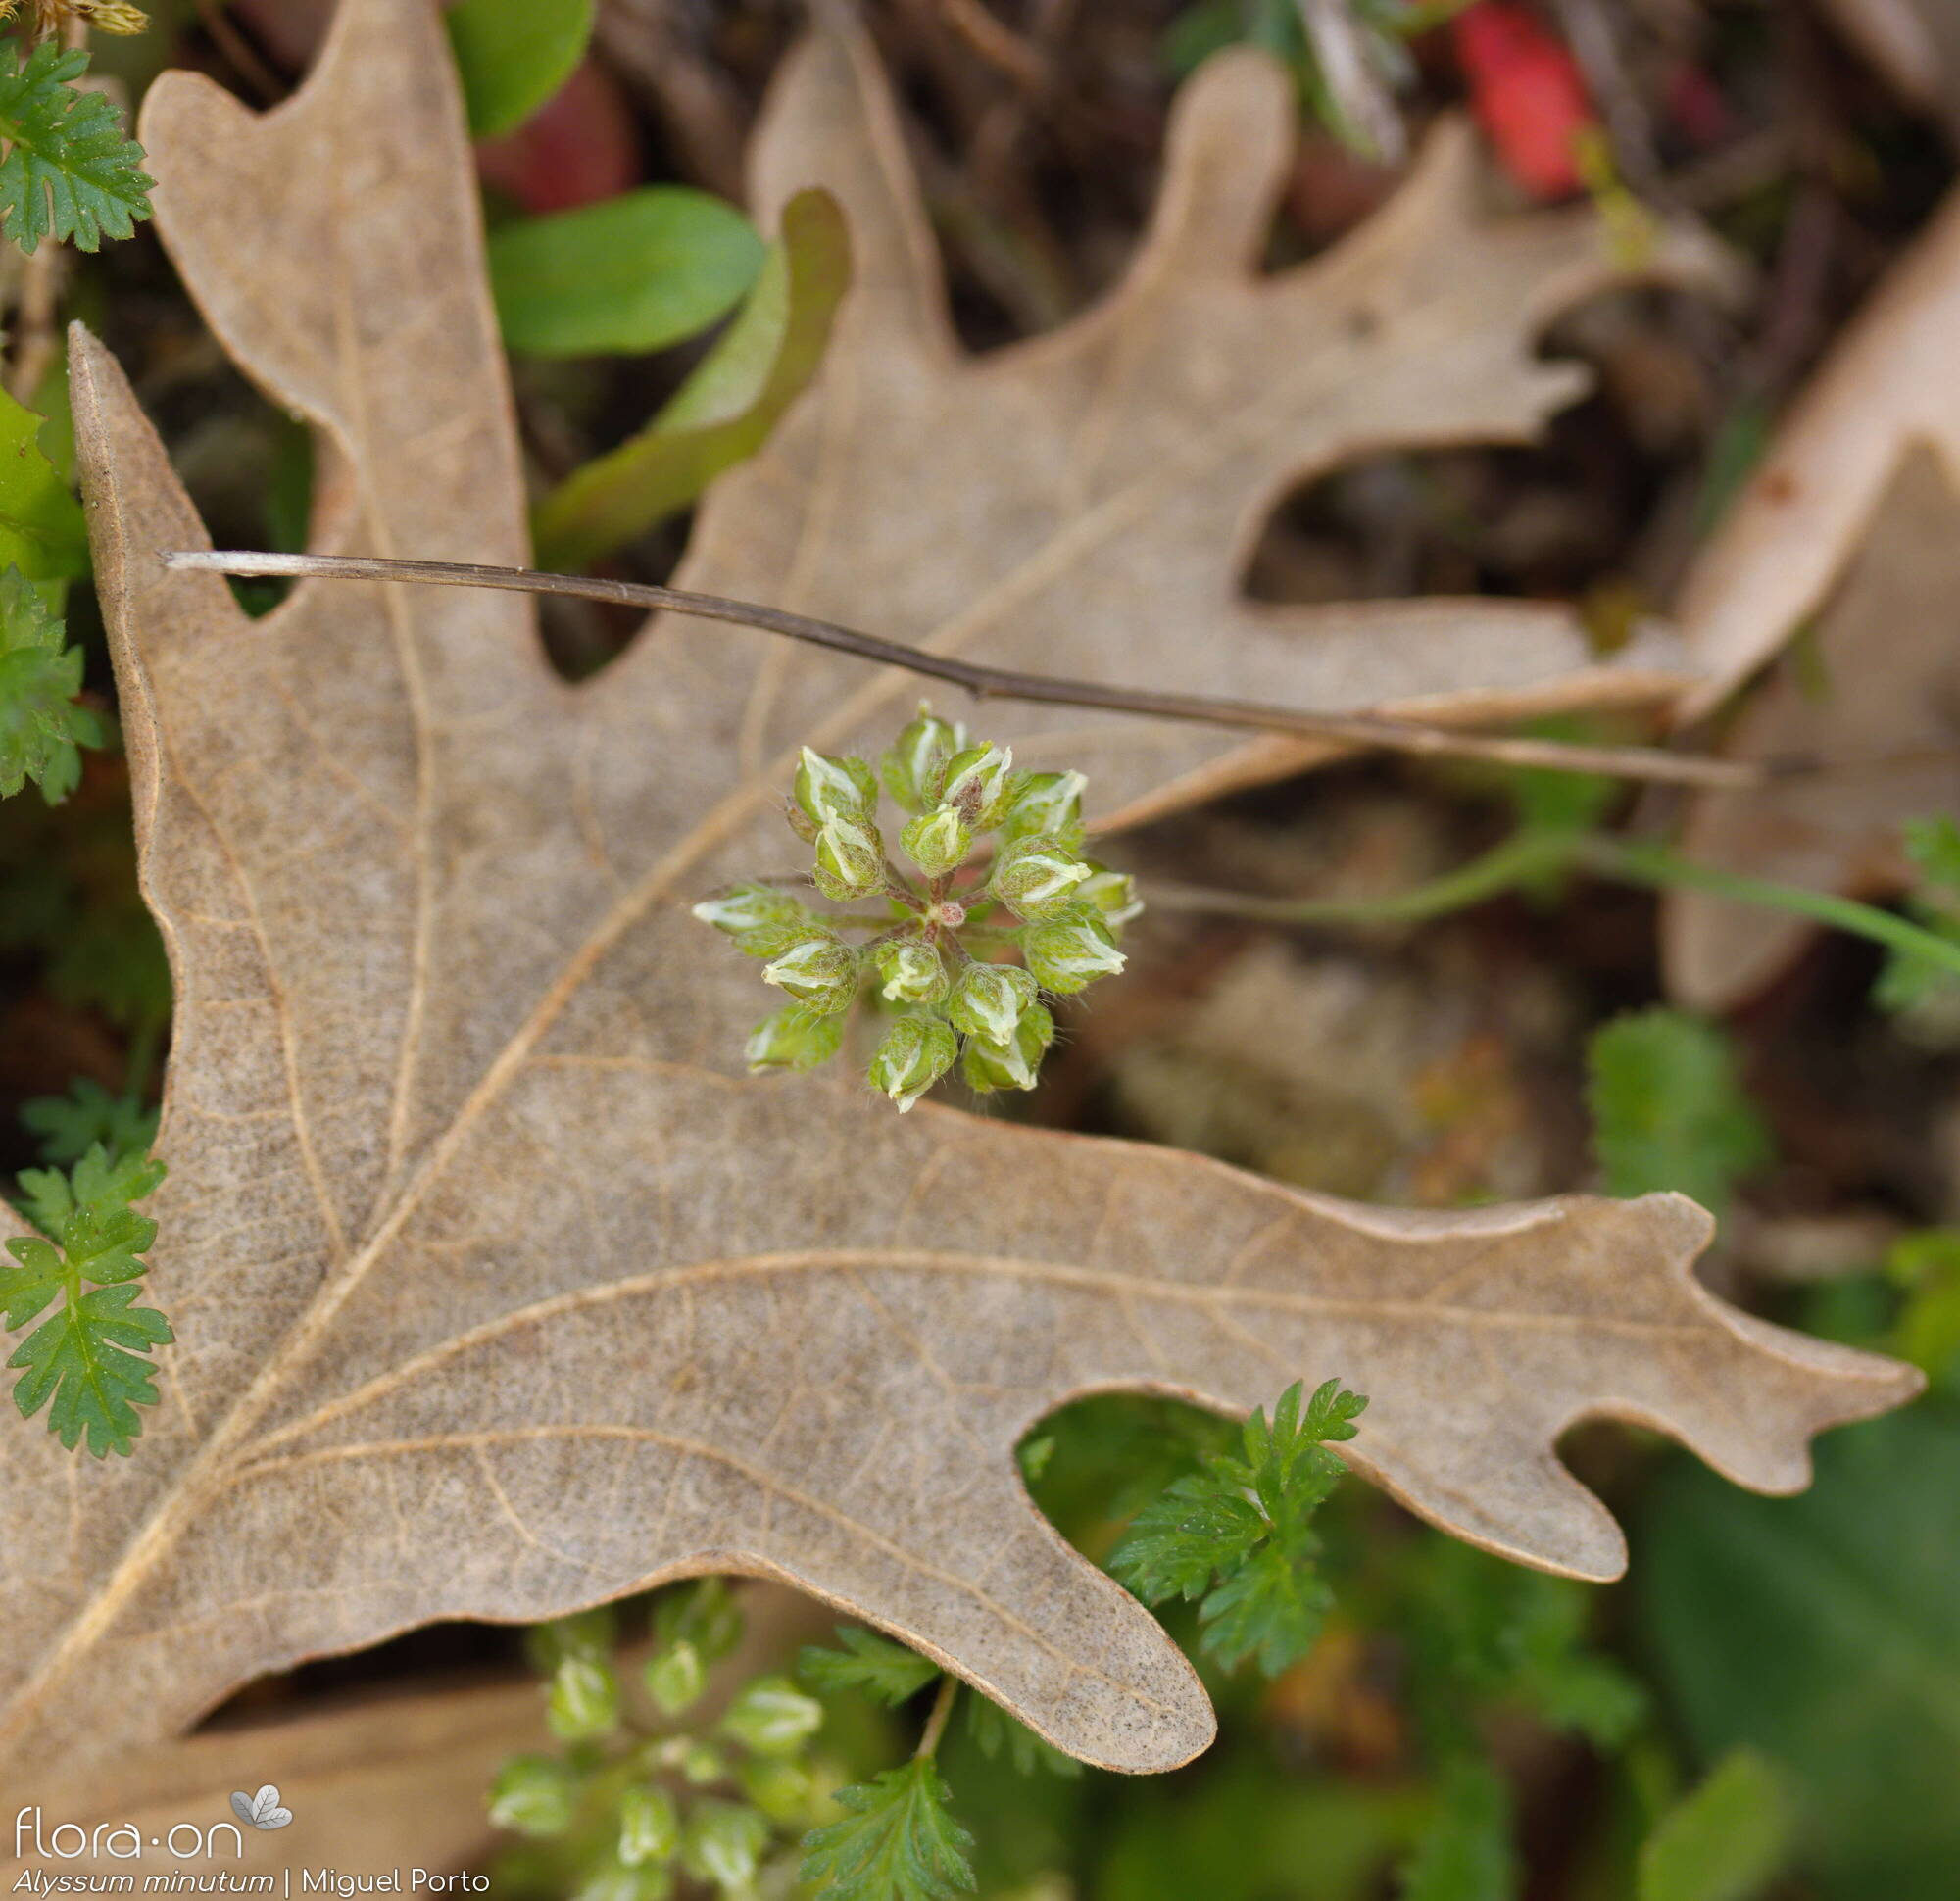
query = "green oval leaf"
x=1824 y=1631
x=725 y=410
x=511 y=59
x=635 y=273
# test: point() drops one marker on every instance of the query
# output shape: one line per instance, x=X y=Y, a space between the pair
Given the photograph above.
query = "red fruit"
x=1527 y=94
x=578 y=147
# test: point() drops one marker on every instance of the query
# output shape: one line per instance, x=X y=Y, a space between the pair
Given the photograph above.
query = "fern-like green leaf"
x=1669 y=1110
x=897 y=1841
x=68 y=171
x=1239 y=1533
x=41 y=728
x=1465 y=1852
x=69 y=1126
x=883 y=1670
x=90 y=1355
x=1908 y=980
x=993 y=1729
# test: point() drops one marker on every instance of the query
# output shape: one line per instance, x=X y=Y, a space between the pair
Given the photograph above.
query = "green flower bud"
x=1012 y=1063
x=915 y=766
x=917 y=1051
x=584 y=1633
x=937 y=841
x=649 y=1826
x=821 y=971
x=725 y=1845
x=828 y=788
x=990 y=1000
x=700 y=1763
x=1037 y=876
x=705 y=1613
x=1066 y=954
x=536 y=1795
x=584 y=1700
x=675 y=1675
x=850 y=859
x=1111 y=893
x=795 y=1039
x=1045 y=802
x=913 y=972
x=749 y=908
x=613 y=1881
x=772 y=1717
x=781 y=1789
x=977 y=781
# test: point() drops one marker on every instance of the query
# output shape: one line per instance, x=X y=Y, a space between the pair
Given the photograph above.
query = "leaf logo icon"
x=262 y=1811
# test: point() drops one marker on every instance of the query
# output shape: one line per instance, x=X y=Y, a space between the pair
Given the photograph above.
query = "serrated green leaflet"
x=89 y=1357
x=68 y=171
x=1669 y=1110
x=897 y=1841
x=41 y=529
x=1246 y=1522
x=875 y=1665
x=41 y=728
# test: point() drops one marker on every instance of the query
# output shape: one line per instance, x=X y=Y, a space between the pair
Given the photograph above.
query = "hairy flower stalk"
x=939 y=959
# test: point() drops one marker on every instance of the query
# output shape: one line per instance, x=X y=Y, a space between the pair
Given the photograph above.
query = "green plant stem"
x=1528 y=855
x=942 y=1708
x=1518 y=861
x=1656 y=866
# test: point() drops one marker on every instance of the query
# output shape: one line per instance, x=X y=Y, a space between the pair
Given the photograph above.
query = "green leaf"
x=1908 y=980
x=512 y=58
x=41 y=728
x=1668 y=1110
x=1926 y=1265
x=1174 y=1547
x=994 y=1730
x=1481 y=1632
x=1824 y=1631
x=1244 y=1521
x=89 y=1356
x=69 y=1126
x=1269 y=1606
x=1465 y=1853
x=634 y=272
x=897 y=1841
x=1725 y=1841
x=68 y=171
x=41 y=529
x=875 y=1665
x=726 y=409
x=1933 y=846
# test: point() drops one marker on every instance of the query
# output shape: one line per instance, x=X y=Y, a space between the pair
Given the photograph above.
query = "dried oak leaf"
x=496 y=1291
x=1845 y=526
x=1880 y=677
x=1793 y=531
x=1086 y=501
x=393 y=1778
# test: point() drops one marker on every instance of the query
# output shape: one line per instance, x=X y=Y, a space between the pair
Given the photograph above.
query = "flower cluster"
x=940 y=942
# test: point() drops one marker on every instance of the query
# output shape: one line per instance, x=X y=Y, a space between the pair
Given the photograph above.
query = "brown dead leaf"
x=374 y=1781
x=1802 y=516
x=1087 y=500
x=1880 y=676
x=498 y=1291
